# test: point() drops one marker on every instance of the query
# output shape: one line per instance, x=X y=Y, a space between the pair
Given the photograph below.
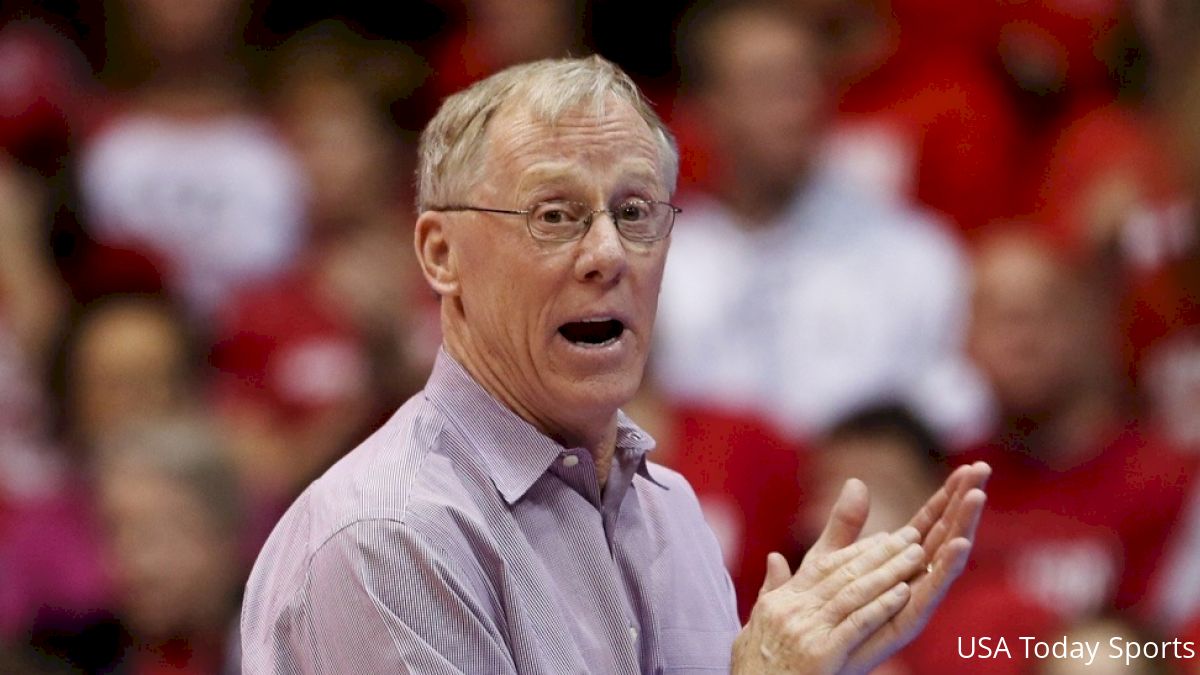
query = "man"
x=506 y=520
x=1088 y=496
x=828 y=298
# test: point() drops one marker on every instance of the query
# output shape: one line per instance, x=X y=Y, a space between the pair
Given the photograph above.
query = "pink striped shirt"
x=459 y=539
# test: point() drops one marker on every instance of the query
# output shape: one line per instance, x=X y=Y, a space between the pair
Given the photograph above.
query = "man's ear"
x=435 y=254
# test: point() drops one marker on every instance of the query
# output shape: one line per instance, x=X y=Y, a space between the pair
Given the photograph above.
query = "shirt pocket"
x=687 y=650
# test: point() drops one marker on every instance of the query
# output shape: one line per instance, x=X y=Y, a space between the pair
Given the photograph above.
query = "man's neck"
x=599 y=439
x=602 y=456
x=757 y=201
x=1071 y=434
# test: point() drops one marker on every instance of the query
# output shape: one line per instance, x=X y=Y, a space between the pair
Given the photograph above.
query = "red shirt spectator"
x=935 y=125
x=1107 y=180
x=1085 y=538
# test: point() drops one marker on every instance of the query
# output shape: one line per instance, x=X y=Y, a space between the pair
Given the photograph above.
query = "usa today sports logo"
x=1087 y=651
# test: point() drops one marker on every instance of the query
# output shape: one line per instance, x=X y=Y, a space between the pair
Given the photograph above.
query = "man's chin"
x=598 y=395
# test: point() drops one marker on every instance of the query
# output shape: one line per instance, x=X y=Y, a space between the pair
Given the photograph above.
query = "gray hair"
x=451 y=143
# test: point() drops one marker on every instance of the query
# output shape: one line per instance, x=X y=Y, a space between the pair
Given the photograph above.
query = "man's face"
x=172 y=562
x=764 y=101
x=1026 y=334
x=563 y=328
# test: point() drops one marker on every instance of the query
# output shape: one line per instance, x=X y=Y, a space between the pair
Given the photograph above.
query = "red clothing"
x=287 y=349
x=1104 y=156
x=747 y=478
x=458 y=61
x=37 y=99
x=1071 y=36
x=50 y=560
x=954 y=132
x=1082 y=539
x=1161 y=328
x=979 y=606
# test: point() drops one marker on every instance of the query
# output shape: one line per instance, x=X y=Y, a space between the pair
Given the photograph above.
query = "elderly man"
x=506 y=520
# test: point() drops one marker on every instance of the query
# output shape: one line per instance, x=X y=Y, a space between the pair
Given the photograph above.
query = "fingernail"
x=914 y=552
x=909 y=534
x=900 y=590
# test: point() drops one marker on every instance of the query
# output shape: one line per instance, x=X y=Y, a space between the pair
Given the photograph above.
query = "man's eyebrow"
x=643 y=172
x=565 y=174
x=547 y=173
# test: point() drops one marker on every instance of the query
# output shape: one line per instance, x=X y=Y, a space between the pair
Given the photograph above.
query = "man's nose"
x=602 y=256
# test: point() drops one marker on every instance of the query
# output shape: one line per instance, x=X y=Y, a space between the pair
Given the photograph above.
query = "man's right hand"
x=853 y=603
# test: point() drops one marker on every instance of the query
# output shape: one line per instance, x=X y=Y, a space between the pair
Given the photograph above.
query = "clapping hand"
x=854 y=602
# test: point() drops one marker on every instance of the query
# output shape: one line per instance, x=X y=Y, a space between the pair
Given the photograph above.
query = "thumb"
x=846 y=521
x=778 y=572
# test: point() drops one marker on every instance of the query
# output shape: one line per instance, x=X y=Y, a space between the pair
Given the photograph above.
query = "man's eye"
x=634 y=211
x=554 y=213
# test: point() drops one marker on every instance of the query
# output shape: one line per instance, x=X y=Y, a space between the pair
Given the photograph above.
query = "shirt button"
x=633 y=633
x=570 y=461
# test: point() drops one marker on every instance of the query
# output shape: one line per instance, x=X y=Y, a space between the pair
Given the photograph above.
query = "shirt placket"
x=576 y=470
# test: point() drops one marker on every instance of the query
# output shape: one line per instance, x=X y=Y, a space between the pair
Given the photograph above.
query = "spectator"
x=308 y=361
x=898 y=457
x=1160 y=240
x=186 y=167
x=1084 y=497
x=122 y=359
x=890 y=450
x=923 y=115
x=1161 y=307
x=828 y=298
x=495 y=34
x=1108 y=178
x=169 y=501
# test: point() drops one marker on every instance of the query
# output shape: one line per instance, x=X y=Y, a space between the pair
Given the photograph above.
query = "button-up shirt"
x=458 y=538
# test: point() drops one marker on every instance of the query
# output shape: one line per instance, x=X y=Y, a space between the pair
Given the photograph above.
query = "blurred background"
x=915 y=233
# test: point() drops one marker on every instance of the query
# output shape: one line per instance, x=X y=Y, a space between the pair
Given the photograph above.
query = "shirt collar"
x=515 y=453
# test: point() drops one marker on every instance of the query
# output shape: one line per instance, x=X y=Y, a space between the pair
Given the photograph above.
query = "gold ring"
x=929 y=568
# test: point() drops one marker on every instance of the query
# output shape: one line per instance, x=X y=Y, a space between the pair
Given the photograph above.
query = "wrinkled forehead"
x=592 y=141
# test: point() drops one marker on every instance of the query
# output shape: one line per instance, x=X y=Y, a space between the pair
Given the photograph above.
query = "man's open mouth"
x=593 y=332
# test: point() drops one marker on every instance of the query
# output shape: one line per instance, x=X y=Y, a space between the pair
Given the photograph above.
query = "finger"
x=843 y=567
x=778 y=572
x=958 y=483
x=880 y=576
x=970 y=477
x=960 y=520
x=926 y=593
x=949 y=557
x=870 y=618
x=929 y=590
x=815 y=568
x=932 y=509
x=972 y=511
x=846 y=520
x=814 y=571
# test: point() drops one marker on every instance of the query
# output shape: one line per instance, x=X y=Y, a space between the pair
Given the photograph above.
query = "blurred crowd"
x=915 y=233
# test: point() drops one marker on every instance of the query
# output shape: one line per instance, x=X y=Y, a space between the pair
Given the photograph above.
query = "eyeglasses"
x=637 y=220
